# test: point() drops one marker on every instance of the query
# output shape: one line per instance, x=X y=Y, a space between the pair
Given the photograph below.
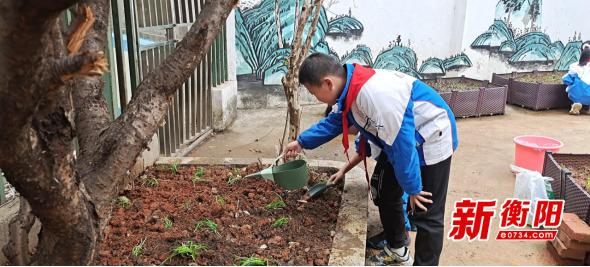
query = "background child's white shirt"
x=582 y=71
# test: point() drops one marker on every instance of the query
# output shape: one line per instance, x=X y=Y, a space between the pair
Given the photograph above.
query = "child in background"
x=414 y=128
x=578 y=81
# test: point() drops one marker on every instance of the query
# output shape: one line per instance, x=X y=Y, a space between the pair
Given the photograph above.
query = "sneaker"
x=378 y=241
x=575 y=110
x=389 y=257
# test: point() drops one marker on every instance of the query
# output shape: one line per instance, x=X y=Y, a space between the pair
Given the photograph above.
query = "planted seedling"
x=588 y=183
x=200 y=172
x=211 y=225
x=167 y=223
x=234 y=176
x=151 y=182
x=253 y=261
x=280 y=222
x=186 y=250
x=220 y=200
x=138 y=249
x=174 y=168
x=277 y=204
x=123 y=202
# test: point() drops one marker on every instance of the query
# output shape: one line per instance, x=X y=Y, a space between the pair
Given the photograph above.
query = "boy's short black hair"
x=317 y=66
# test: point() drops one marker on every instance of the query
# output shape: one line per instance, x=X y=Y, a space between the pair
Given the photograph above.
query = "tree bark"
x=298 y=52
x=40 y=118
x=278 y=23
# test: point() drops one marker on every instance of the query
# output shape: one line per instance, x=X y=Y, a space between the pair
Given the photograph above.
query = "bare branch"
x=81 y=29
x=85 y=64
x=312 y=29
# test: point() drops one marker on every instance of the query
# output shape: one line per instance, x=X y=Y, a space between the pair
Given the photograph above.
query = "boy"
x=382 y=169
x=414 y=128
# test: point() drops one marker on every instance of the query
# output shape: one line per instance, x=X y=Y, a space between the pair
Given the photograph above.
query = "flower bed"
x=537 y=90
x=228 y=219
x=470 y=97
x=570 y=173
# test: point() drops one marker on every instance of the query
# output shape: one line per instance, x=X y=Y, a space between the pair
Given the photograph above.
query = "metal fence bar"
x=200 y=89
x=2 y=188
x=131 y=44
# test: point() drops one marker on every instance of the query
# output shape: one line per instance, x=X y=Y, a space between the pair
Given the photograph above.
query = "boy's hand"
x=336 y=178
x=418 y=199
x=291 y=150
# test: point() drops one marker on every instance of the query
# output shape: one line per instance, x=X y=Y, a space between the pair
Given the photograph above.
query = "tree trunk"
x=298 y=52
x=43 y=108
x=278 y=23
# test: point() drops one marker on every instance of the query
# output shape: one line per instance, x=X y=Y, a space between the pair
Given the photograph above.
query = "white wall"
x=427 y=23
x=443 y=28
x=560 y=19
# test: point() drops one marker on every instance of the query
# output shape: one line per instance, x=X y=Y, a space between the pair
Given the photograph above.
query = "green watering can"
x=291 y=175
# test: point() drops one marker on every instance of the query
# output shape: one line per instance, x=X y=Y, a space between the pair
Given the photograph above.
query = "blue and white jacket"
x=406 y=118
x=578 y=83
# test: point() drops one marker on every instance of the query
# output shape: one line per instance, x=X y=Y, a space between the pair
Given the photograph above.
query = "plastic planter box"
x=486 y=99
x=535 y=96
x=577 y=199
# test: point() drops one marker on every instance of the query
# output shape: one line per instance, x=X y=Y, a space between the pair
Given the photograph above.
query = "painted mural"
x=517 y=36
x=263 y=46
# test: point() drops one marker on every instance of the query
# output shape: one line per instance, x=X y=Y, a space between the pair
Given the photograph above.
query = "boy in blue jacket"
x=416 y=132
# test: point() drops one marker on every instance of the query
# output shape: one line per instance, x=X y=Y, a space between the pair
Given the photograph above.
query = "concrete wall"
x=422 y=38
x=225 y=96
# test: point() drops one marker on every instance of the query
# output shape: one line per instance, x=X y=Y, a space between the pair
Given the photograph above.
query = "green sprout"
x=174 y=168
x=138 y=249
x=234 y=177
x=220 y=200
x=588 y=183
x=198 y=175
x=167 y=223
x=186 y=250
x=207 y=223
x=253 y=261
x=124 y=202
x=151 y=182
x=200 y=172
x=277 y=204
x=281 y=222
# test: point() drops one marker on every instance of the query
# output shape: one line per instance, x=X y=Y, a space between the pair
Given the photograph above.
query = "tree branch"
x=311 y=32
x=85 y=64
x=92 y=115
x=119 y=143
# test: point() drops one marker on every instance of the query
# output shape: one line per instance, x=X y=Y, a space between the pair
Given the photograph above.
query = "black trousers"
x=387 y=195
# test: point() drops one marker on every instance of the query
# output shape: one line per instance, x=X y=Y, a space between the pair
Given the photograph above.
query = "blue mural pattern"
x=263 y=49
x=525 y=43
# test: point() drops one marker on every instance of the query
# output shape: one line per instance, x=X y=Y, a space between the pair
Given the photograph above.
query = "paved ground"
x=480 y=168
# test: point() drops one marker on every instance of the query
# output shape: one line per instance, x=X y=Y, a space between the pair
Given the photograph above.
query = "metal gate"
x=156 y=27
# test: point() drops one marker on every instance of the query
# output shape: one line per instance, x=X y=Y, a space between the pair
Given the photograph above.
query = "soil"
x=244 y=224
x=580 y=176
x=542 y=77
x=449 y=85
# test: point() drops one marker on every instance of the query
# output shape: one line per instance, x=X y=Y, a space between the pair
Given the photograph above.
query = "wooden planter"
x=488 y=99
x=535 y=96
x=577 y=199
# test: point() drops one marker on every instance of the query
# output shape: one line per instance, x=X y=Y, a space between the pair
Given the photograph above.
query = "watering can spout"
x=265 y=174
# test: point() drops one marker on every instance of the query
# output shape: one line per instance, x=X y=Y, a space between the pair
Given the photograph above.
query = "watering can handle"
x=276 y=161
